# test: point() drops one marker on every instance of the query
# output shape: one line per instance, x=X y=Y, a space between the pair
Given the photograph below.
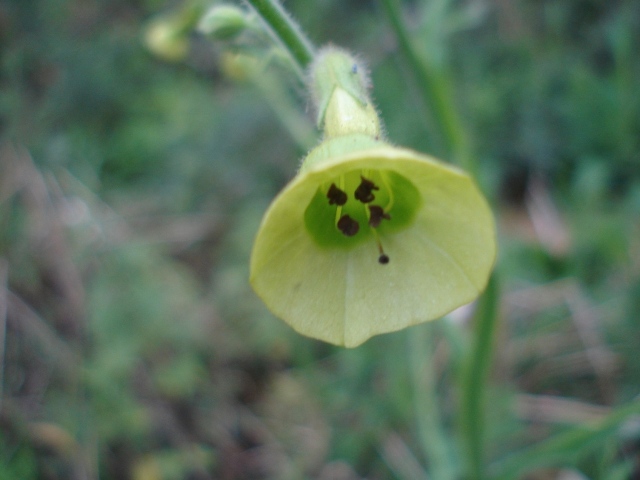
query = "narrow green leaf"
x=565 y=447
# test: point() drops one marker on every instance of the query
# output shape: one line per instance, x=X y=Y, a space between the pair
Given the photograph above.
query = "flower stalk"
x=447 y=133
x=286 y=31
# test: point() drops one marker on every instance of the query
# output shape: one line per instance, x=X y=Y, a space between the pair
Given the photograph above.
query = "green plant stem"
x=434 y=87
x=435 y=445
x=475 y=379
x=285 y=30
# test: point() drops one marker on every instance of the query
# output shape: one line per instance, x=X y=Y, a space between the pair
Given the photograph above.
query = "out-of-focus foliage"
x=131 y=189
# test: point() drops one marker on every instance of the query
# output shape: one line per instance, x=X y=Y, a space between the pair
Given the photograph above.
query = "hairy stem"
x=286 y=31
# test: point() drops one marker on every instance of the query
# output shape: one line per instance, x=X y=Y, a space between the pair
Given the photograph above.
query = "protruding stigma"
x=348 y=226
x=364 y=192
x=383 y=258
x=336 y=196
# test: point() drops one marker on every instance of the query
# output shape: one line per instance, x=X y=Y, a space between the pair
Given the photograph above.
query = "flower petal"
x=438 y=262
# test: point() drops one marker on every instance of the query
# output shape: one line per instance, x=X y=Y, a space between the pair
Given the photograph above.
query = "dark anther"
x=383 y=259
x=365 y=189
x=336 y=196
x=377 y=214
x=348 y=226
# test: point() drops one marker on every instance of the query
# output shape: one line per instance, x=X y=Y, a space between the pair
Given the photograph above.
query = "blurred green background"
x=131 y=188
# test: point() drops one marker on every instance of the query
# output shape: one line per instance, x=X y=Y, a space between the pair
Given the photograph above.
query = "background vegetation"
x=131 y=188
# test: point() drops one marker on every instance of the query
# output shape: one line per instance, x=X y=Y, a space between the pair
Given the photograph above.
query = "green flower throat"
x=361 y=205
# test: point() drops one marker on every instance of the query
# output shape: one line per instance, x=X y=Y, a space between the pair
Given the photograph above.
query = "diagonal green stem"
x=285 y=30
x=434 y=86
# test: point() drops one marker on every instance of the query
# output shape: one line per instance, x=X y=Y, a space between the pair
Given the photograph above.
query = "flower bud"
x=167 y=34
x=165 y=37
x=223 y=22
x=239 y=66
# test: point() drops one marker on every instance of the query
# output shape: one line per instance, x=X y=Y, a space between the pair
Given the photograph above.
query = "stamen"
x=377 y=214
x=336 y=196
x=348 y=226
x=365 y=189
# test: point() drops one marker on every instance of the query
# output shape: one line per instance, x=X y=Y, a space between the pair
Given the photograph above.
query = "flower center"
x=361 y=205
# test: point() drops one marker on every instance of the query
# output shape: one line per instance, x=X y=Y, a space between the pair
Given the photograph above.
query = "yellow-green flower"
x=369 y=238
x=223 y=22
x=422 y=246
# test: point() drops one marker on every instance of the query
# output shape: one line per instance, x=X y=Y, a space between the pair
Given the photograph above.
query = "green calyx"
x=339 y=85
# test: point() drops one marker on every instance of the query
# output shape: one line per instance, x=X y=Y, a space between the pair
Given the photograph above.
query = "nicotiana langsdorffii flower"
x=368 y=238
